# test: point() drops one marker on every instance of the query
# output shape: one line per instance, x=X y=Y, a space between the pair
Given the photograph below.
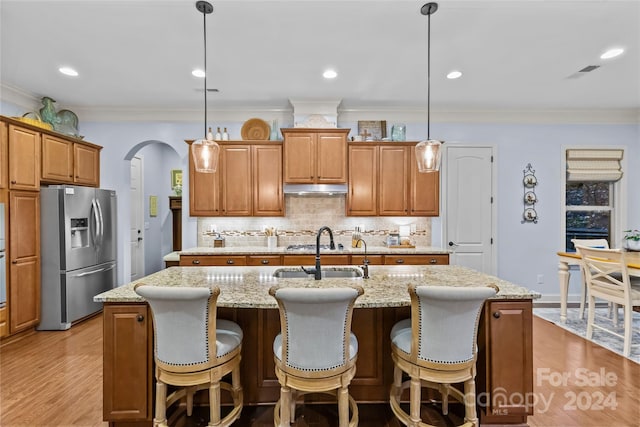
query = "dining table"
x=567 y=259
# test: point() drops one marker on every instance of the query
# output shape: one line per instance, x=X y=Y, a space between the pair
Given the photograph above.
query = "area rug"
x=579 y=327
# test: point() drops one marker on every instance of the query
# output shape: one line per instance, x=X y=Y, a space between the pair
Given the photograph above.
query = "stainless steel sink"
x=327 y=273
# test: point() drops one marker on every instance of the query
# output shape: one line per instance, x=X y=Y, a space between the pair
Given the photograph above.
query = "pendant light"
x=428 y=151
x=205 y=151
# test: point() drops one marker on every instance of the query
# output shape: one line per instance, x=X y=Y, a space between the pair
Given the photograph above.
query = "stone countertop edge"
x=248 y=287
x=282 y=250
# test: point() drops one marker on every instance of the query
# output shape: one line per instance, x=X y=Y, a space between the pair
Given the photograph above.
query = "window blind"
x=594 y=165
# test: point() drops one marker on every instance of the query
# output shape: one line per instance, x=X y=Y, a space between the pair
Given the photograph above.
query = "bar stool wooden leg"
x=470 y=402
x=214 y=404
x=161 y=405
x=285 y=406
x=414 y=404
x=343 y=406
x=444 y=392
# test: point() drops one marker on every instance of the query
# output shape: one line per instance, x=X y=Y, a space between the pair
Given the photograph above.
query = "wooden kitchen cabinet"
x=393 y=181
x=24 y=253
x=384 y=180
x=235 y=164
x=363 y=180
x=309 y=260
x=248 y=182
x=24 y=158
x=212 y=260
x=86 y=164
x=128 y=363
x=57 y=159
x=268 y=260
x=505 y=349
x=4 y=155
x=315 y=156
x=204 y=190
x=416 y=259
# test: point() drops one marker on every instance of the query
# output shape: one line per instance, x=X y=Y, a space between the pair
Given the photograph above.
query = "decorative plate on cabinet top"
x=255 y=129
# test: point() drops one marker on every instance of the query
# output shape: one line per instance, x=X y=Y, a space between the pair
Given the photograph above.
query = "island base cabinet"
x=128 y=365
x=505 y=366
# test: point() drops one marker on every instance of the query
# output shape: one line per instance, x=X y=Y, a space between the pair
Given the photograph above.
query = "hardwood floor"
x=55 y=379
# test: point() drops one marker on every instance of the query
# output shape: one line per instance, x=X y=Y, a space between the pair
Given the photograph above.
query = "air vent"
x=589 y=68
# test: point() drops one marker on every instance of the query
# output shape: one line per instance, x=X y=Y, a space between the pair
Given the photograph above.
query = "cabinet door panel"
x=128 y=362
x=263 y=260
x=363 y=183
x=393 y=181
x=236 y=180
x=268 y=199
x=4 y=154
x=24 y=253
x=331 y=151
x=24 y=158
x=204 y=194
x=425 y=190
x=57 y=159
x=299 y=158
x=308 y=260
x=86 y=166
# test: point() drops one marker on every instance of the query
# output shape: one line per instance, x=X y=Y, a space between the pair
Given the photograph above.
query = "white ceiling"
x=138 y=55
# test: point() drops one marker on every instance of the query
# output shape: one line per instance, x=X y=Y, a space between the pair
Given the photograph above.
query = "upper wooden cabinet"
x=68 y=162
x=4 y=154
x=384 y=180
x=24 y=158
x=248 y=182
x=315 y=156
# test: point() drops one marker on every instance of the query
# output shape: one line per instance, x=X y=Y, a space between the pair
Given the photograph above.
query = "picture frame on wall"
x=372 y=130
x=176 y=178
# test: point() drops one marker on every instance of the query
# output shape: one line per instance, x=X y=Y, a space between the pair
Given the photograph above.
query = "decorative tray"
x=255 y=129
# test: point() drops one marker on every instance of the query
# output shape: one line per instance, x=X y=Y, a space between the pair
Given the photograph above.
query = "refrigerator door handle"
x=96 y=218
x=101 y=228
x=99 y=270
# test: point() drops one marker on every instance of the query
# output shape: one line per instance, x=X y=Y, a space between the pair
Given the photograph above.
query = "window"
x=590 y=195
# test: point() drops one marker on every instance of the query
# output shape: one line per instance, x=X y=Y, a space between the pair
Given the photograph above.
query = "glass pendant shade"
x=205 y=155
x=428 y=155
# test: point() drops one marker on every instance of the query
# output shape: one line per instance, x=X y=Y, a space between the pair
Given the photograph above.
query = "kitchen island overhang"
x=504 y=337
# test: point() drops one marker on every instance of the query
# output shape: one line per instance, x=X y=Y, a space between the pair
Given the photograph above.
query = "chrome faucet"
x=365 y=261
x=317 y=272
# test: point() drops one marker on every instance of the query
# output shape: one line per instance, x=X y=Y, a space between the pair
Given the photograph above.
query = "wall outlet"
x=540 y=279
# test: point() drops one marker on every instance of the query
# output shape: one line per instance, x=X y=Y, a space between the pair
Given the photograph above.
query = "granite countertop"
x=247 y=287
x=282 y=250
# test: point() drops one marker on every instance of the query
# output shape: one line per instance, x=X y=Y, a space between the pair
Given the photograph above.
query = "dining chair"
x=193 y=350
x=436 y=348
x=316 y=351
x=608 y=279
x=591 y=243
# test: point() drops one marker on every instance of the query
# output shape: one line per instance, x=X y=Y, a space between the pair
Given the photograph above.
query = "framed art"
x=372 y=130
x=176 y=178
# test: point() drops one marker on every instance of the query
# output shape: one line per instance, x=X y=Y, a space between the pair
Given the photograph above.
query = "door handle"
x=452 y=244
x=139 y=239
x=87 y=273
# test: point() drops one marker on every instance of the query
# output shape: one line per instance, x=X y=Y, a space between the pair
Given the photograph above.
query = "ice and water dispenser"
x=79 y=233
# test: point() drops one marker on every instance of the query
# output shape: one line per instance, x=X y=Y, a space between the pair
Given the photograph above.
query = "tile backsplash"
x=304 y=216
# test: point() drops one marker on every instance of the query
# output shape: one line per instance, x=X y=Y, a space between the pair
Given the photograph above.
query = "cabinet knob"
x=13 y=182
x=14 y=262
x=195 y=261
x=496 y=314
x=230 y=261
x=400 y=261
x=433 y=261
x=140 y=318
x=265 y=261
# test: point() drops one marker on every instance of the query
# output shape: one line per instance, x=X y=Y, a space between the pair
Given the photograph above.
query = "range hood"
x=315 y=189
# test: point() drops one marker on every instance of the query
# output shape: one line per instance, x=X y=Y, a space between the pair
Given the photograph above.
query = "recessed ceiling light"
x=612 y=53
x=454 y=74
x=68 y=71
x=198 y=73
x=330 y=74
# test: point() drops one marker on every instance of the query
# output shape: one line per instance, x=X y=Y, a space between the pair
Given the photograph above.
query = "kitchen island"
x=504 y=338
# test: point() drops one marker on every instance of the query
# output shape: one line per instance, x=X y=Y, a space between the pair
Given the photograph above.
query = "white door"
x=137 y=220
x=470 y=214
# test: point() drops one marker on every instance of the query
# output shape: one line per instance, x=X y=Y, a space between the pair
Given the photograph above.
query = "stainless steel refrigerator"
x=78 y=250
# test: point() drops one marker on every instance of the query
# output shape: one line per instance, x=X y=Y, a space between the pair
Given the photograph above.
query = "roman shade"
x=594 y=165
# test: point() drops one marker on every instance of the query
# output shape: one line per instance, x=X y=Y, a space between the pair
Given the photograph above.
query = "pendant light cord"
x=204 y=18
x=428 y=76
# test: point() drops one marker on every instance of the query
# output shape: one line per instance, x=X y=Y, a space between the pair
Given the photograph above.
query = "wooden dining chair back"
x=436 y=347
x=590 y=243
x=316 y=351
x=608 y=279
x=193 y=350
